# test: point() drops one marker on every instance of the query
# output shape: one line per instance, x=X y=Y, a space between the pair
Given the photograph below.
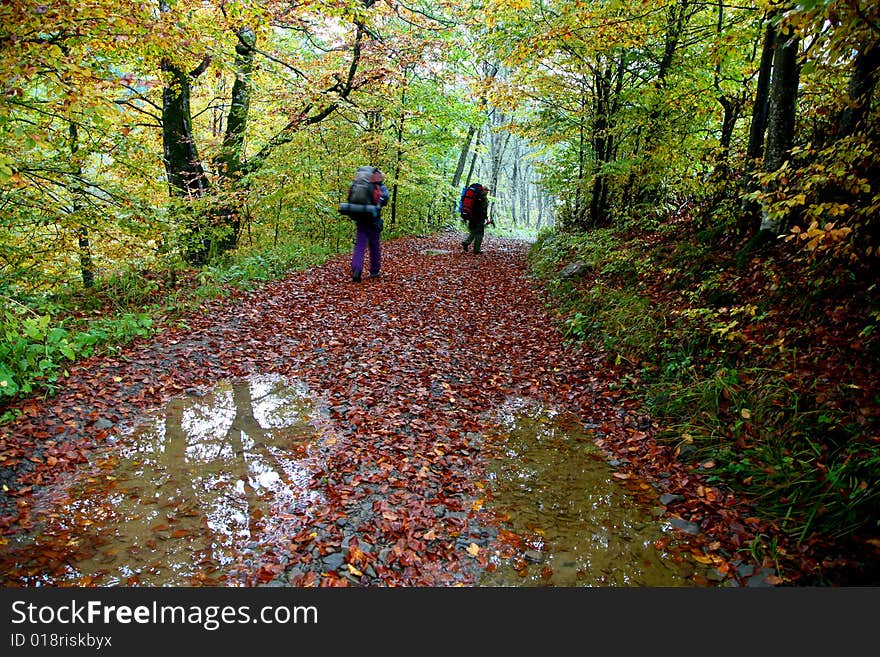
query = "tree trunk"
x=210 y=230
x=473 y=164
x=603 y=145
x=580 y=212
x=84 y=248
x=186 y=176
x=232 y=149
x=731 y=105
x=678 y=17
x=860 y=89
x=400 y=130
x=750 y=211
x=226 y=217
x=462 y=158
x=514 y=183
x=762 y=94
x=781 y=113
x=499 y=148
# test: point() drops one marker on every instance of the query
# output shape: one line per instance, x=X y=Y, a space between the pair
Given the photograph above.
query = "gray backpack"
x=363 y=195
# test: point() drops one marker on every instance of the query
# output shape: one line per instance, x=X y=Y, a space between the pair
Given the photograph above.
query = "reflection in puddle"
x=176 y=499
x=553 y=486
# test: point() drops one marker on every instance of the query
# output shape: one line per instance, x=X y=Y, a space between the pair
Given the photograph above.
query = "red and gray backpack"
x=469 y=197
x=363 y=190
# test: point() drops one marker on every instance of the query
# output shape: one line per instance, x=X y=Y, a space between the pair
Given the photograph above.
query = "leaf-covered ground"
x=411 y=367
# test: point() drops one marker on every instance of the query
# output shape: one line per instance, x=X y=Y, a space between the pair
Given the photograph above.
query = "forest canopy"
x=140 y=132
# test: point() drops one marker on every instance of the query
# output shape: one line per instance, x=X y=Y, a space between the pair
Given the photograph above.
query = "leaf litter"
x=408 y=371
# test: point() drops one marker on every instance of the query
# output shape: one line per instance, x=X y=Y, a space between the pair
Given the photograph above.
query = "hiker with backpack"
x=474 y=210
x=367 y=195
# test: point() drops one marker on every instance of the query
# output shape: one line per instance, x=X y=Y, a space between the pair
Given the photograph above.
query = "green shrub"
x=35 y=350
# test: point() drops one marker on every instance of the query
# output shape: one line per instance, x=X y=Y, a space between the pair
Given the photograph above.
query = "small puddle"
x=177 y=498
x=576 y=526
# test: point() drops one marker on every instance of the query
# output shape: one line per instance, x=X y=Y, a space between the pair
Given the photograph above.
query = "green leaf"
x=8 y=386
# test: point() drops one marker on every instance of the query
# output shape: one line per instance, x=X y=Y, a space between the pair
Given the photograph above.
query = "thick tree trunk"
x=226 y=218
x=758 y=126
x=781 y=113
x=183 y=167
x=232 y=150
x=186 y=175
x=861 y=86
x=603 y=146
x=750 y=211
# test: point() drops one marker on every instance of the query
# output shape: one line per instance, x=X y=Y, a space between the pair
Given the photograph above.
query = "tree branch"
x=342 y=89
x=201 y=68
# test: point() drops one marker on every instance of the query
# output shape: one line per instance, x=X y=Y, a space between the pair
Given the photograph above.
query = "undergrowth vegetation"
x=756 y=368
x=41 y=335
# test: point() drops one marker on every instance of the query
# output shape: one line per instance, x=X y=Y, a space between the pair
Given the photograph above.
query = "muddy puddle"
x=175 y=500
x=190 y=494
x=576 y=526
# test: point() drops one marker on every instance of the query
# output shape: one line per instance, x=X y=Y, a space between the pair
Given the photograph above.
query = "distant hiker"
x=474 y=209
x=367 y=194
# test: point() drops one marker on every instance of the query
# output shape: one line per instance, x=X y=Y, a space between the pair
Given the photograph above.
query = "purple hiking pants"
x=366 y=236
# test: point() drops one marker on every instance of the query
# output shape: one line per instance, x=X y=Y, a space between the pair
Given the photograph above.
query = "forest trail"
x=409 y=370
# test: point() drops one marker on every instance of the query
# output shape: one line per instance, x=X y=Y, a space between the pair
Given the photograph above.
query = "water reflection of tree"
x=245 y=423
x=166 y=507
x=203 y=472
x=196 y=482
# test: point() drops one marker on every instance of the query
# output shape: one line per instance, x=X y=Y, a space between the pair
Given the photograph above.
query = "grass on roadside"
x=714 y=371
x=42 y=335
